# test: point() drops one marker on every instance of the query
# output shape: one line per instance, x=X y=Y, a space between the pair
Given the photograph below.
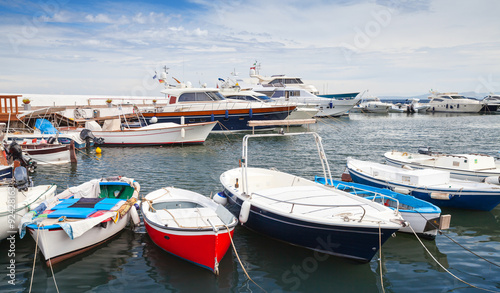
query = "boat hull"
x=457 y=198
x=51 y=154
x=228 y=120
x=195 y=133
x=203 y=248
x=358 y=243
x=56 y=245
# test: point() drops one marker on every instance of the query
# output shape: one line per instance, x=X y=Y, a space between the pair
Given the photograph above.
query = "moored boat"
x=453 y=103
x=188 y=225
x=423 y=217
x=114 y=133
x=283 y=206
x=431 y=185
x=18 y=198
x=473 y=167
x=82 y=217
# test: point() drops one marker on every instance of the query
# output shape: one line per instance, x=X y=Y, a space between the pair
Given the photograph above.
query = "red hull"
x=199 y=247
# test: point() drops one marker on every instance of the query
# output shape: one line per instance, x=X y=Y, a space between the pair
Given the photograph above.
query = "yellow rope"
x=443 y=266
x=239 y=260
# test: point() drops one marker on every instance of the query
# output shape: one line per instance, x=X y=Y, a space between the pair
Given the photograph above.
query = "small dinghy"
x=424 y=217
x=82 y=217
x=188 y=225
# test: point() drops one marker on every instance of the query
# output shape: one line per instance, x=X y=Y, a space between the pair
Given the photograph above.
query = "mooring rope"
x=446 y=270
x=239 y=260
x=454 y=241
x=34 y=262
x=380 y=257
x=50 y=263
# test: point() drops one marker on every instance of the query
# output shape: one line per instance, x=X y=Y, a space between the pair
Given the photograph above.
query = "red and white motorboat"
x=188 y=225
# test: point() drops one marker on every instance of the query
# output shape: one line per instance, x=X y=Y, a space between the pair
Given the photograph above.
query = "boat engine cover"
x=21 y=179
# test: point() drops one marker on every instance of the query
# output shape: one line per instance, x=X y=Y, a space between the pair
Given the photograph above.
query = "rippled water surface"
x=131 y=262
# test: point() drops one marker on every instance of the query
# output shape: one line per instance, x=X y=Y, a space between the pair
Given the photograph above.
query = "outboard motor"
x=424 y=150
x=51 y=140
x=87 y=135
x=21 y=178
x=15 y=152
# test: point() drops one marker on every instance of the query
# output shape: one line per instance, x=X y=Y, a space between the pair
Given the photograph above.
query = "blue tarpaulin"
x=45 y=126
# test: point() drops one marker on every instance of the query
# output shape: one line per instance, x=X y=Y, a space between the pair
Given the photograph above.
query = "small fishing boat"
x=188 y=225
x=424 y=217
x=431 y=185
x=82 y=217
x=473 y=167
x=114 y=133
x=305 y=213
x=18 y=197
x=44 y=153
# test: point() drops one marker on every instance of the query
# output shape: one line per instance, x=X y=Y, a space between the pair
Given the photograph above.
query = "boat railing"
x=376 y=195
x=326 y=206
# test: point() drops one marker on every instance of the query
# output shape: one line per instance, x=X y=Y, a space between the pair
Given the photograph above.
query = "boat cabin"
x=471 y=162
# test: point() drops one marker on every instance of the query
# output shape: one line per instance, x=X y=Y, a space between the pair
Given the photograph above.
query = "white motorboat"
x=115 y=133
x=453 y=103
x=373 y=105
x=473 y=167
x=283 y=206
x=431 y=185
x=491 y=103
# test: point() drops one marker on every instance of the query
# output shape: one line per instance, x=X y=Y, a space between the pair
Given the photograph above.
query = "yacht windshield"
x=201 y=97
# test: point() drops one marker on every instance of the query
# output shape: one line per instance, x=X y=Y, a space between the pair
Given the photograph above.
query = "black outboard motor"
x=15 y=152
x=87 y=135
x=424 y=150
x=21 y=178
x=51 y=140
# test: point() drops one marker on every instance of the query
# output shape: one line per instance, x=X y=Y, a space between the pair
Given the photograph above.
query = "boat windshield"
x=282 y=81
x=201 y=97
x=262 y=98
x=457 y=97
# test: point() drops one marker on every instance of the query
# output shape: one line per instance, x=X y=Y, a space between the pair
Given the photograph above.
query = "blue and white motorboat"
x=305 y=213
x=472 y=167
x=424 y=217
x=431 y=185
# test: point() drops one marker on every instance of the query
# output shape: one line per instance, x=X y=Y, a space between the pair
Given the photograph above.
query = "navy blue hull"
x=360 y=244
x=233 y=122
x=482 y=201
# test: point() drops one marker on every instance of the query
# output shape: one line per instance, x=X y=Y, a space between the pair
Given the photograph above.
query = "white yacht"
x=491 y=103
x=373 y=105
x=453 y=103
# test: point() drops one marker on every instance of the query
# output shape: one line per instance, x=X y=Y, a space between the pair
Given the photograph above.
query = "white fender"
x=492 y=180
x=401 y=190
x=220 y=198
x=183 y=133
x=245 y=211
x=134 y=215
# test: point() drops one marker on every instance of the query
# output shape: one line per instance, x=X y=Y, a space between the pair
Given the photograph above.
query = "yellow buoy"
x=98 y=150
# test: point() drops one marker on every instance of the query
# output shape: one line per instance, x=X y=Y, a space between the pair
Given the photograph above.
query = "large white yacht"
x=453 y=103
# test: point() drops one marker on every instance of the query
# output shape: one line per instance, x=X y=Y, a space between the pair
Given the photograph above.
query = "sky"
x=388 y=47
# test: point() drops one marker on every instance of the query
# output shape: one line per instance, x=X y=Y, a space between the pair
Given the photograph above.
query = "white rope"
x=34 y=260
x=50 y=263
x=443 y=266
x=380 y=257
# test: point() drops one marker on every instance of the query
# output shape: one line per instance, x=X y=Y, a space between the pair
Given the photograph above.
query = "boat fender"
x=440 y=195
x=135 y=216
x=226 y=115
x=212 y=117
x=183 y=132
x=245 y=211
x=220 y=198
x=250 y=113
x=492 y=180
x=401 y=190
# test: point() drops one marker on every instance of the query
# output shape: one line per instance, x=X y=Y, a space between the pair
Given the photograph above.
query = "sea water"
x=131 y=262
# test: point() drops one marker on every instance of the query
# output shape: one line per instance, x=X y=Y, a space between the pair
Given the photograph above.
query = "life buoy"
x=405 y=154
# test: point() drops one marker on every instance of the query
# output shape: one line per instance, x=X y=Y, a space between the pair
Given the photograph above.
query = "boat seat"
x=189 y=218
x=79 y=213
